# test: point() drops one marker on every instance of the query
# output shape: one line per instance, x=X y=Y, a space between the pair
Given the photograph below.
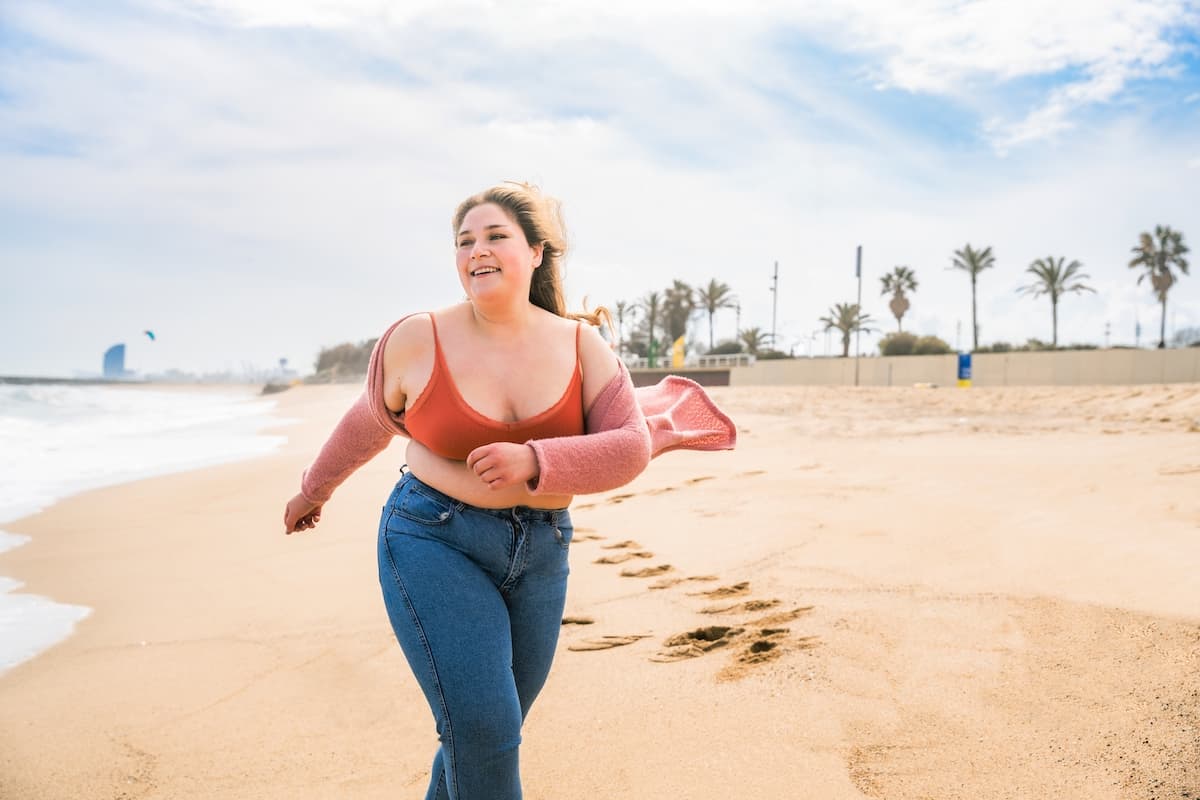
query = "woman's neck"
x=503 y=319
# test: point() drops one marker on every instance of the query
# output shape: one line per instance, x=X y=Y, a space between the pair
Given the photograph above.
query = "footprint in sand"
x=606 y=642
x=767 y=645
x=583 y=534
x=749 y=605
x=661 y=490
x=577 y=620
x=646 y=572
x=757 y=642
x=779 y=617
x=1185 y=469
x=667 y=583
x=701 y=479
x=751 y=473
x=733 y=590
x=617 y=499
x=621 y=558
x=696 y=643
x=621 y=545
x=760 y=651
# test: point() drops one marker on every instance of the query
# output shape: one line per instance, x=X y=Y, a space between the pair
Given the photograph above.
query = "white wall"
x=1060 y=368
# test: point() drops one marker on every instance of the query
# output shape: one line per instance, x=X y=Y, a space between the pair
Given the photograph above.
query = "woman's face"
x=494 y=259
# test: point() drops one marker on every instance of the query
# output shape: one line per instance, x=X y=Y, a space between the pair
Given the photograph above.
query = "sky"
x=256 y=180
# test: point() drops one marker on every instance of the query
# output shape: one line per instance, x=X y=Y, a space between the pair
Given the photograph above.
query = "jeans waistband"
x=527 y=513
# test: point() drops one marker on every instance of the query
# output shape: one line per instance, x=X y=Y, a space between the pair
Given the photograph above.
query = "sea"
x=59 y=439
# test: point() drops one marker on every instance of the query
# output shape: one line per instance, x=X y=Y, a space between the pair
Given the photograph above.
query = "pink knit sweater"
x=625 y=428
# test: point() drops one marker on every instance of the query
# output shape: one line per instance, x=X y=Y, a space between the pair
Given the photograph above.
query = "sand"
x=885 y=593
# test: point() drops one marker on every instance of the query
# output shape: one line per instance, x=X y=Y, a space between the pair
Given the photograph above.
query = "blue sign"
x=964 y=369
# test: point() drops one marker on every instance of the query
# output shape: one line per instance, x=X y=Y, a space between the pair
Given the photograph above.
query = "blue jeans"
x=475 y=596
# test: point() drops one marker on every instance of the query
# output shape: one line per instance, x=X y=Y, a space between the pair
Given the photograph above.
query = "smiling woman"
x=510 y=217
x=512 y=406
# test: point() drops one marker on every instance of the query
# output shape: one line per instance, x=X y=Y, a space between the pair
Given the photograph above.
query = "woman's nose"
x=479 y=250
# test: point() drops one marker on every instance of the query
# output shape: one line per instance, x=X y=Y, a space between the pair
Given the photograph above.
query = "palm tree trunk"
x=846 y=344
x=1054 y=317
x=710 y=336
x=974 y=323
x=1162 y=336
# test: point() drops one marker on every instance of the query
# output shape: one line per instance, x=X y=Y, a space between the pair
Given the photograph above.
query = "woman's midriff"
x=454 y=478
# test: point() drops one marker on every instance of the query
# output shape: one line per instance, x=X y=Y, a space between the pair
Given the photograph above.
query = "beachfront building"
x=114 y=362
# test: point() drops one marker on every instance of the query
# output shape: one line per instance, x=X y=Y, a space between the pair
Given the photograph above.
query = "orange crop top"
x=441 y=420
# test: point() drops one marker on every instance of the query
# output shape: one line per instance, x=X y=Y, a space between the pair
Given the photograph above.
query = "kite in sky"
x=150 y=334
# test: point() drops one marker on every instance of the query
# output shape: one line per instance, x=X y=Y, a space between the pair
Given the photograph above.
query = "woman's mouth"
x=475 y=273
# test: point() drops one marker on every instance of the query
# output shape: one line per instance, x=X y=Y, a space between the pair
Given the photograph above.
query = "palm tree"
x=1055 y=280
x=651 y=305
x=1158 y=254
x=896 y=283
x=753 y=339
x=623 y=308
x=973 y=262
x=847 y=318
x=679 y=303
x=713 y=298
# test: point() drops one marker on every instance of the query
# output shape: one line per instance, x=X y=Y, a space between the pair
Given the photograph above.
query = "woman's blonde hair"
x=540 y=218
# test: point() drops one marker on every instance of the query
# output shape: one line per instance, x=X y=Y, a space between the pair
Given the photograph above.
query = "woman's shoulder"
x=597 y=359
x=408 y=336
x=417 y=329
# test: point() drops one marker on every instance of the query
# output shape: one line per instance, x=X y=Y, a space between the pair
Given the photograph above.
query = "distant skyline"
x=255 y=180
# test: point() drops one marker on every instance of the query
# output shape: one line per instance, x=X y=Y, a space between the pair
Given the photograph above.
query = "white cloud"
x=957 y=49
x=940 y=47
x=236 y=174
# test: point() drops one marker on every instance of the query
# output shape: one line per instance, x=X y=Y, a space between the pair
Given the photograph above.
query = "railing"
x=696 y=362
x=731 y=360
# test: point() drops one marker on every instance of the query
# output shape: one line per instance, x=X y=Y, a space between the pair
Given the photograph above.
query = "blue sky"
x=256 y=180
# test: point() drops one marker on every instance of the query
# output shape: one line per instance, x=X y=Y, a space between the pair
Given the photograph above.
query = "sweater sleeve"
x=364 y=431
x=356 y=439
x=626 y=427
x=613 y=451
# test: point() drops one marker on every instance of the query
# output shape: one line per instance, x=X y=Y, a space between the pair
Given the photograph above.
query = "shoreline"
x=34 y=620
x=1001 y=607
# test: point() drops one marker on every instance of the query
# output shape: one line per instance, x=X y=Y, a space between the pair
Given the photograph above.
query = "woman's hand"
x=300 y=515
x=503 y=464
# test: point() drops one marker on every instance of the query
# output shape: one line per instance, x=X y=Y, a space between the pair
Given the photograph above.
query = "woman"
x=473 y=540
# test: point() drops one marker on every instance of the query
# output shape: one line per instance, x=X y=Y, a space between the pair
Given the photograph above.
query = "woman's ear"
x=537 y=255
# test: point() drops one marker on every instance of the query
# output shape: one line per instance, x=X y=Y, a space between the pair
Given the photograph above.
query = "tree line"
x=1159 y=257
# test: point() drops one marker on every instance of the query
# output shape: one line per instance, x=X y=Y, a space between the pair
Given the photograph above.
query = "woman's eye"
x=465 y=243
x=498 y=236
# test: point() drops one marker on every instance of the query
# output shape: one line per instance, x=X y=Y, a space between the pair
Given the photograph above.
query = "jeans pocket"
x=563 y=532
x=423 y=507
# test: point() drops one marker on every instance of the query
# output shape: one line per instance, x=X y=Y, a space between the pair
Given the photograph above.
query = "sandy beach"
x=883 y=593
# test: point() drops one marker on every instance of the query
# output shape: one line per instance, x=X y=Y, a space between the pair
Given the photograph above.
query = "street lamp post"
x=858 y=330
x=774 y=301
